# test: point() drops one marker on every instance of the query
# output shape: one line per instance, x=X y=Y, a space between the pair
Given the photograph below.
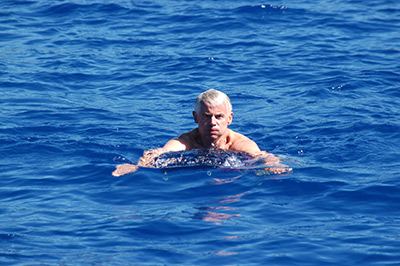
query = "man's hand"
x=273 y=163
x=124 y=169
x=147 y=160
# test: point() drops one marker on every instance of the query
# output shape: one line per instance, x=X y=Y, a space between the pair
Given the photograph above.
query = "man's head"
x=213 y=114
x=213 y=98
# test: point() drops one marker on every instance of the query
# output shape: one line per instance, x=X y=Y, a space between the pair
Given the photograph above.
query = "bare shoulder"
x=174 y=145
x=190 y=135
x=185 y=141
x=242 y=143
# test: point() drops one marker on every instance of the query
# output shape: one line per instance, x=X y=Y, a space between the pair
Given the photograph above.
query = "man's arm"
x=273 y=163
x=244 y=144
x=146 y=160
x=149 y=156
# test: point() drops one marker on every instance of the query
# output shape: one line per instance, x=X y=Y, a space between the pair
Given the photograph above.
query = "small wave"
x=261 y=9
x=71 y=8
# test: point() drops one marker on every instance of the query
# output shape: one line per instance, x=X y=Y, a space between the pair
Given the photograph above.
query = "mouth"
x=213 y=131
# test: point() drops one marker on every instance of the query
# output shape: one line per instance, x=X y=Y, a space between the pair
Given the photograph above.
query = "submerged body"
x=213 y=114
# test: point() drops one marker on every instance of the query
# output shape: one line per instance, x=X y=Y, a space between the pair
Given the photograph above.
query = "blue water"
x=86 y=85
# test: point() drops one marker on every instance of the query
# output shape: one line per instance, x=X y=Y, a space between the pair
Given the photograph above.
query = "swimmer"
x=213 y=114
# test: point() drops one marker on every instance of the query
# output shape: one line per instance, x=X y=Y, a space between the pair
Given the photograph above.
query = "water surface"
x=86 y=85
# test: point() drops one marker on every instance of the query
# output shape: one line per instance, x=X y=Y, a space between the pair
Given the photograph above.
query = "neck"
x=218 y=143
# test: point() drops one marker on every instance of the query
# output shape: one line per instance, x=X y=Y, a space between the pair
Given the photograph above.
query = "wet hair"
x=214 y=98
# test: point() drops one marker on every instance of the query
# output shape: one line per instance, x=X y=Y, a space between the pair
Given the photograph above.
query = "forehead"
x=206 y=107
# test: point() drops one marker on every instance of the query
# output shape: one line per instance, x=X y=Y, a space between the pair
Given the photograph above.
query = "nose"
x=213 y=120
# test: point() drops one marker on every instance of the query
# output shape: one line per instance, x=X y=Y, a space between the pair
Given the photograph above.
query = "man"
x=213 y=114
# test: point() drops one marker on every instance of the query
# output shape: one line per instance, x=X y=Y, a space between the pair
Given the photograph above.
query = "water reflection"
x=222 y=212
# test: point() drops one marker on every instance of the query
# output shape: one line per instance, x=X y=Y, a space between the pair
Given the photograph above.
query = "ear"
x=230 y=117
x=195 y=117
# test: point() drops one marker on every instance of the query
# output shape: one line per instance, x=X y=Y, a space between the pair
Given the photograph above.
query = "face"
x=213 y=121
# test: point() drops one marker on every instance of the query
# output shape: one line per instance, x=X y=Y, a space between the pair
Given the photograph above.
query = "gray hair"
x=214 y=98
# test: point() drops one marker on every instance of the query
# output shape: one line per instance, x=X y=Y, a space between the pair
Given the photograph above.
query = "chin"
x=214 y=137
